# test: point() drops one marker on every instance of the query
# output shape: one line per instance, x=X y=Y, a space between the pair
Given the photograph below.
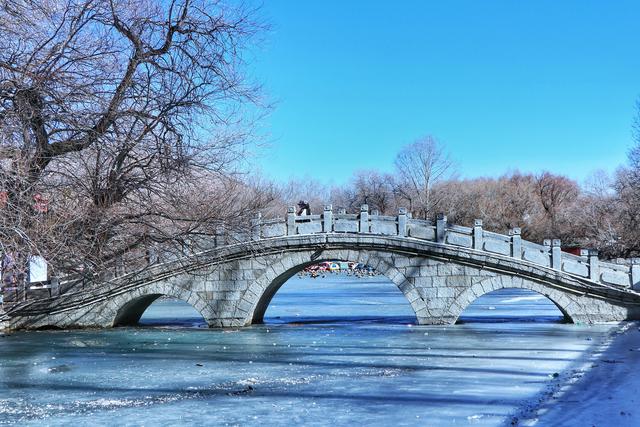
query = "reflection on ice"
x=512 y=305
x=172 y=313
x=338 y=298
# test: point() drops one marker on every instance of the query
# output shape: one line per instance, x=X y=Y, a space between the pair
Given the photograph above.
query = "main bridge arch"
x=264 y=288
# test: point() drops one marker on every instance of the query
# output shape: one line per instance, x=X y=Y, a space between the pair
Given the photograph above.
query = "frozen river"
x=338 y=351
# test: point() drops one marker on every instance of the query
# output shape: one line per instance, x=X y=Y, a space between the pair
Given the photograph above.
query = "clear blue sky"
x=505 y=85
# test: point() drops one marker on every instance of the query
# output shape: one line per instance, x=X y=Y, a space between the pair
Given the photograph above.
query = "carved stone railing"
x=549 y=254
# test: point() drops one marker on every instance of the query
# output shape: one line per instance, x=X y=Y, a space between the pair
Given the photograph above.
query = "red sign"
x=40 y=203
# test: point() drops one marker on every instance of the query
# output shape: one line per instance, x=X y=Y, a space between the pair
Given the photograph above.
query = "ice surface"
x=340 y=352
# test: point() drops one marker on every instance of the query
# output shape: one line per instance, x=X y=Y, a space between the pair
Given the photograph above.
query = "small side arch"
x=126 y=309
x=468 y=296
x=263 y=289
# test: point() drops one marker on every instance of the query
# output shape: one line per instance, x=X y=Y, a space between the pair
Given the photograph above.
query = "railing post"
x=219 y=236
x=291 y=220
x=364 y=219
x=594 y=265
x=556 y=254
x=119 y=266
x=477 y=235
x=635 y=277
x=402 y=222
x=441 y=226
x=255 y=227
x=55 y=287
x=327 y=219
x=516 y=243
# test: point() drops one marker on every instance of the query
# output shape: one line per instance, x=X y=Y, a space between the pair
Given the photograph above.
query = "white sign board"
x=37 y=269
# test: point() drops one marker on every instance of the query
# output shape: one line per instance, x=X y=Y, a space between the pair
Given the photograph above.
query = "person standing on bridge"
x=303 y=208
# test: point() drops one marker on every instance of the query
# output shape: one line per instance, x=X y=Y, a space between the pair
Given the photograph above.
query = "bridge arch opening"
x=515 y=305
x=159 y=310
x=333 y=291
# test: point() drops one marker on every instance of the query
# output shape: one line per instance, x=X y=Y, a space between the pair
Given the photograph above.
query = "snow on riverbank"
x=604 y=391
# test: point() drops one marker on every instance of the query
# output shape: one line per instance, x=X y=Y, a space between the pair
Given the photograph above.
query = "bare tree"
x=627 y=186
x=556 y=193
x=503 y=203
x=302 y=189
x=595 y=214
x=367 y=187
x=420 y=166
x=115 y=113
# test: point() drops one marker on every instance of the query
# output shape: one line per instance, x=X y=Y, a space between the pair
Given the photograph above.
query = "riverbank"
x=601 y=391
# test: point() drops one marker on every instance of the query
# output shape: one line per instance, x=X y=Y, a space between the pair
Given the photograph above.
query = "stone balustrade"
x=548 y=254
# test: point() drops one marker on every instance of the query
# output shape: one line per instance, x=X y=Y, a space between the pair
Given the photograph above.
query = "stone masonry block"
x=450 y=270
x=423 y=282
x=428 y=293
x=445 y=292
x=430 y=270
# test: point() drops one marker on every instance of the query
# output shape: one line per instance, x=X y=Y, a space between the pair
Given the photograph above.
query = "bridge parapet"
x=549 y=254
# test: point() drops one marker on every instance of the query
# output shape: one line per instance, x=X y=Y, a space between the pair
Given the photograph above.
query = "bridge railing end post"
x=478 y=235
x=402 y=222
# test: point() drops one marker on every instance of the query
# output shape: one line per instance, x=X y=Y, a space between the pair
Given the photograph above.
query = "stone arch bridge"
x=440 y=268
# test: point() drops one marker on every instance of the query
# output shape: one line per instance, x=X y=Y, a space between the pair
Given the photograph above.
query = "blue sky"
x=505 y=85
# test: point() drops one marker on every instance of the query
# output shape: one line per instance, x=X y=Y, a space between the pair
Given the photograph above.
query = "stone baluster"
x=152 y=254
x=635 y=277
x=556 y=254
x=594 y=265
x=478 y=236
x=441 y=227
x=255 y=227
x=402 y=222
x=516 y=243
x=547 y=248
x=327 y=219
x=364 y=219
x=291 y=220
